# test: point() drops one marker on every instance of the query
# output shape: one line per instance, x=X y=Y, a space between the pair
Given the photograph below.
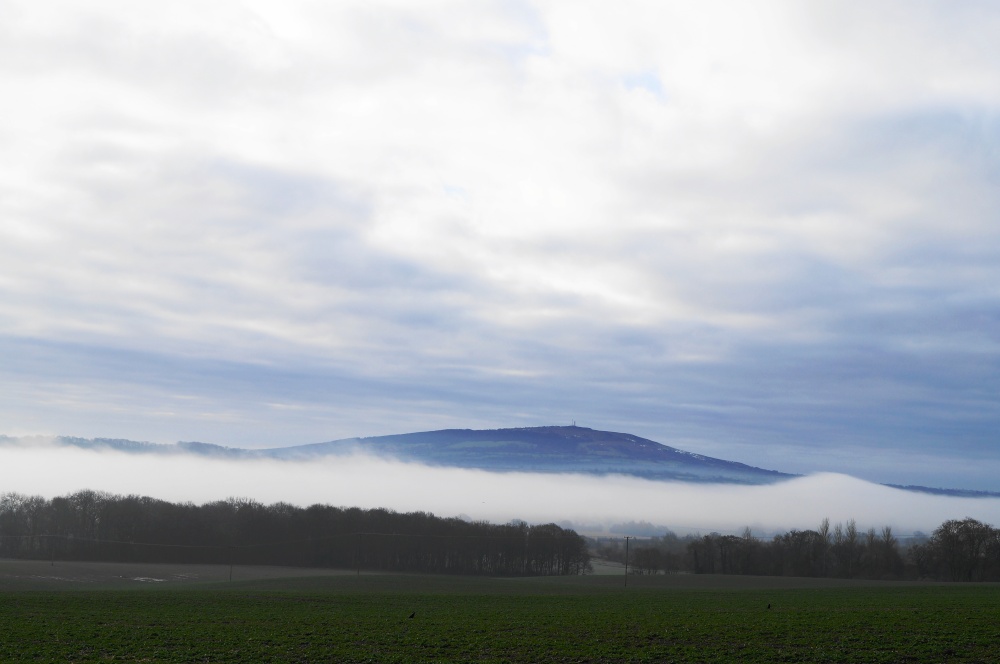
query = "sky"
x=765 y=232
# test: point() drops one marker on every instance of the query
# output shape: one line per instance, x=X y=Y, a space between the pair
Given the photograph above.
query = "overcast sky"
x=765 y=231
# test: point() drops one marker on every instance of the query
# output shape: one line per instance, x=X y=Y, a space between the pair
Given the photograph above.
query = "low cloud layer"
x=588 y=503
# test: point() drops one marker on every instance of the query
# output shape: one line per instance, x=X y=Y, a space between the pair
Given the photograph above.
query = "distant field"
x=42 y=575
x=275 y=614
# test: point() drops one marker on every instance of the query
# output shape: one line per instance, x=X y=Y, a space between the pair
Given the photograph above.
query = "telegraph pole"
x=627 y=538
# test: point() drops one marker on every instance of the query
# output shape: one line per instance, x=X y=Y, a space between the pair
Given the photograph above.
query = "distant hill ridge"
x=552 y=449
x=548 y=449
x=545 y=449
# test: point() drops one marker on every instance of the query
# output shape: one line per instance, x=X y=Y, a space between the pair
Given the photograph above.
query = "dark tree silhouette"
x=90 y=525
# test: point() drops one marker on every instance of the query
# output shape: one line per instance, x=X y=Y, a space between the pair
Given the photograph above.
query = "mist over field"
x=587 y=503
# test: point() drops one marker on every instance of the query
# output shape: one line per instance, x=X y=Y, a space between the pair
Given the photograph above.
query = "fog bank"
x=586 y=502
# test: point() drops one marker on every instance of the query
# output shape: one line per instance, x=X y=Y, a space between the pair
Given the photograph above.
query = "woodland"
x=98 y=526
x=92 y=525
x=958 y=550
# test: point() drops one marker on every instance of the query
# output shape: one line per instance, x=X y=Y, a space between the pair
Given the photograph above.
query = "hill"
x=552 y=449
x=549 y=449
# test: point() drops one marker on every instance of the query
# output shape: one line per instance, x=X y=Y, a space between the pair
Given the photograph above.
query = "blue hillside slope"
x=560 y=449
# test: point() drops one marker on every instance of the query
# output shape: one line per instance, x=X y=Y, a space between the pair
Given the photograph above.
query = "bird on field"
x=415 y=613
x=769 y=606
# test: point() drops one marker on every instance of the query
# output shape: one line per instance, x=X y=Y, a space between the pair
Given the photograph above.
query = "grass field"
x=273 y=614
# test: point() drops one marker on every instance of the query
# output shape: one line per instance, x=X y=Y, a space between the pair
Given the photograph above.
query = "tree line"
x=94 y=525
x=958 y=550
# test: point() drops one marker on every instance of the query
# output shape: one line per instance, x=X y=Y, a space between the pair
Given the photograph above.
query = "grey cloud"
x=319 y=222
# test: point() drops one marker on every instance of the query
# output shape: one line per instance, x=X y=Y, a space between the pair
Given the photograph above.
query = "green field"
x=193 y=616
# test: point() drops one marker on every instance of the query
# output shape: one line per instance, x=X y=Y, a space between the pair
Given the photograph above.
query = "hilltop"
x=550 y=449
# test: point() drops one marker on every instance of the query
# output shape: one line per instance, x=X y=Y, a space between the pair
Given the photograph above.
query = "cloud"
x=720 y=224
